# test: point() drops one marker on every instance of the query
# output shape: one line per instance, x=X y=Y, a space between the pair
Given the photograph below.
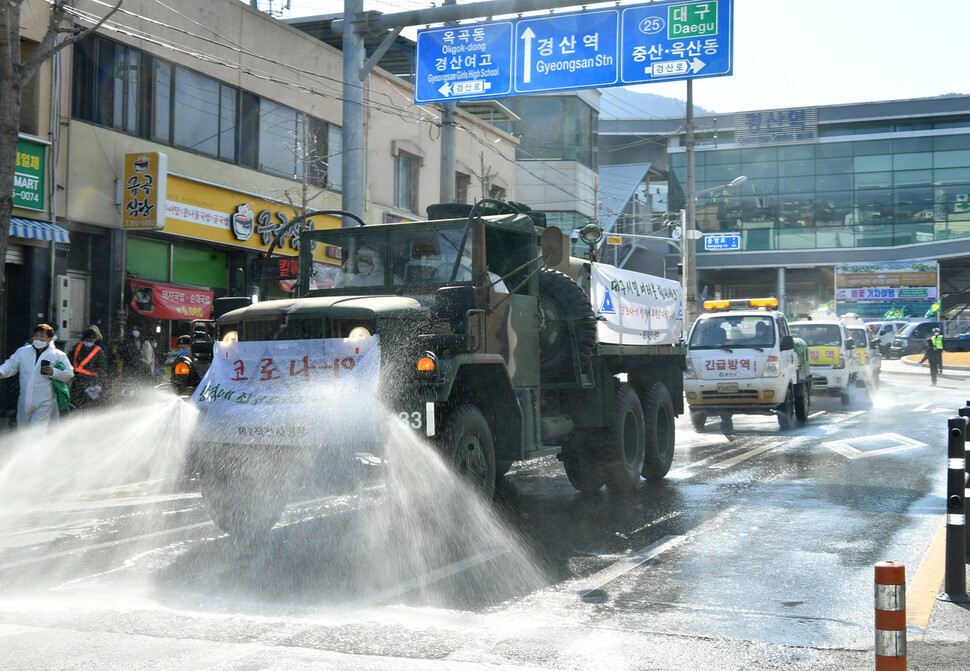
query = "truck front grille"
x=741 y=394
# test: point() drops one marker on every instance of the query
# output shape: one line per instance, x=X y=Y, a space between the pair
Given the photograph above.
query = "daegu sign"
x=612 y=47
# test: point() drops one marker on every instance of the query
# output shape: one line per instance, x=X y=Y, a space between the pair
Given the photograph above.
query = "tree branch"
x=48 y=48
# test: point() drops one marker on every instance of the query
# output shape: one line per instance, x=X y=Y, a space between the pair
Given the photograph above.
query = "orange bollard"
x=890 y=616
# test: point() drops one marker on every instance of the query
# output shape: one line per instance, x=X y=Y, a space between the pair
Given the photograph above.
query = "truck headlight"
x=771 y=368
x=689 y=372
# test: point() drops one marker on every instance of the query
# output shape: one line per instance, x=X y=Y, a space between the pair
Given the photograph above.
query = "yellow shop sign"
x=208 y=212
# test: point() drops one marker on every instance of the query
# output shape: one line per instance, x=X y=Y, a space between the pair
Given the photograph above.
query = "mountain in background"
x=622 y=103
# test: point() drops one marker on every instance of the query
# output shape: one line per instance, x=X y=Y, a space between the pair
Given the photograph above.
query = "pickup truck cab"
x=742 y=359
x=831 y=356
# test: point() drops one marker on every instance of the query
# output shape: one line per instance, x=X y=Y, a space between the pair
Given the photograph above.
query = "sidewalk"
x=945 y=641
x=912 y=368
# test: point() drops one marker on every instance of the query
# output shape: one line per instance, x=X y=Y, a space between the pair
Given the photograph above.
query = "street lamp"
x=689 y=220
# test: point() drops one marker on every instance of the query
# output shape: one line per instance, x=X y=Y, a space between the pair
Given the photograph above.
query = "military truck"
x=478 y=332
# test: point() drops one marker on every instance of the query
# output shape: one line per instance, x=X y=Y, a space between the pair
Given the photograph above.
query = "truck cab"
x=743 y=359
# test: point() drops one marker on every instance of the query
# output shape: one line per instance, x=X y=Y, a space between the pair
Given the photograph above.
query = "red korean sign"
x=164 y=301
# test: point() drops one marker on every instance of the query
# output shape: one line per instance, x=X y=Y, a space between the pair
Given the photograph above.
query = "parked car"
x=912 y=339
x=885 y=331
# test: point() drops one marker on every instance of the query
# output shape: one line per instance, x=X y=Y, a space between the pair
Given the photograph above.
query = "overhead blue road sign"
x=676 y=41
x=464 y=62
x=662 y=41
x=568 y=51
x=722 y=242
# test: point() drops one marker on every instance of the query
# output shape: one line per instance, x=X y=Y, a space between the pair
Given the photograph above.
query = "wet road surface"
x=755 y=552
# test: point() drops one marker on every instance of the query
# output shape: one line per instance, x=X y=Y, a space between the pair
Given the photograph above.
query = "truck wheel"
x=802 y=405
x=698 y=419
x=466 y=441
x=582 y=464
x=844 y=395
x=658 y=420
x=786 y=411
x=627 y=442
x=562 y=301
x=244 y=509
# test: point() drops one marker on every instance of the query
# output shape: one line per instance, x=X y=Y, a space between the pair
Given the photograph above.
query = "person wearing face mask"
x=90 y=371
x=137 y=356
x=38 y=362
x=369 y=271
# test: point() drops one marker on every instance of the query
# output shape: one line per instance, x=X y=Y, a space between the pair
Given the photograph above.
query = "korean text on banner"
x=164 y=301
x=636 y=309
x=289 y=392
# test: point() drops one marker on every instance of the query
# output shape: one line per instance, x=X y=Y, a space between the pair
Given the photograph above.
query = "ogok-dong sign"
x=639 y=44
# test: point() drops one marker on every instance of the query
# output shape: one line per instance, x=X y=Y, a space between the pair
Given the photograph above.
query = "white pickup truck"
x=742 y=359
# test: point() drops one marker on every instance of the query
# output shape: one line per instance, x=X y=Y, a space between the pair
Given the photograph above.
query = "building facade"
x=859 y=183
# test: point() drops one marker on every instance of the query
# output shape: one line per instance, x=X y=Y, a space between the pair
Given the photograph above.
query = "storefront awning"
x=38 y=230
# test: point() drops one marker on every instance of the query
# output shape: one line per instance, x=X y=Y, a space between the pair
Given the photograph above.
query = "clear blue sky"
x=790 y=53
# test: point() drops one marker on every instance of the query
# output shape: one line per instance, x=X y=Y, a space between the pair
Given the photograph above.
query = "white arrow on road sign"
x=672 y=68
x=527 y=56
x=445 y=90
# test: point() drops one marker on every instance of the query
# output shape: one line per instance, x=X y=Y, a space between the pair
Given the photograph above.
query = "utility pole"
x=690 y=223
x=446 y=192
x=352 y=171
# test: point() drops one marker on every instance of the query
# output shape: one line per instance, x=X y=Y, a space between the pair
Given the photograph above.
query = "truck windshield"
x=732 y=331
x=818 y=335
x=390 y=257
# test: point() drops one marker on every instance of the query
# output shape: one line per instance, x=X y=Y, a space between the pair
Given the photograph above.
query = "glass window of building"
x=404 y=181
x=196 y=108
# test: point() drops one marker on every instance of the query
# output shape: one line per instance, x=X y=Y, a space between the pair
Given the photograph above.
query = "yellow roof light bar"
x=741 y=303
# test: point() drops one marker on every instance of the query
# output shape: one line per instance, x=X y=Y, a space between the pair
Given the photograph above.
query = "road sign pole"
x=690 y=277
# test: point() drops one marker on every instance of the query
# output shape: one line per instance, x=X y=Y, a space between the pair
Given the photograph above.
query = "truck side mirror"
x=551 y=246
x=787 y=342
x=849 y=343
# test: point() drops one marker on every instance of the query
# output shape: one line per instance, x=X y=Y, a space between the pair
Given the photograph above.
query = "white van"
x=868 y=359
x=831 y=357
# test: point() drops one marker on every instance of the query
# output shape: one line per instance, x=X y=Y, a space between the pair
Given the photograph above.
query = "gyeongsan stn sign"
x=620 y=46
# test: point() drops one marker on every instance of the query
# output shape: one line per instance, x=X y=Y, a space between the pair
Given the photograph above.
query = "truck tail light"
x=182 y=368
x=426 y=364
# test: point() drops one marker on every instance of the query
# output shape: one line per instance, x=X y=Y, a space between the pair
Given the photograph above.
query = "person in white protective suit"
x=370 y=270
x=37 y=404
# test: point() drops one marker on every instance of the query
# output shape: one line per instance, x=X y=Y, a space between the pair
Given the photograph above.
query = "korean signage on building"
x=164 y=301
x=143 y=199
x=207 y=212
x=873 y=289
x=782 y=126
x=28 y=176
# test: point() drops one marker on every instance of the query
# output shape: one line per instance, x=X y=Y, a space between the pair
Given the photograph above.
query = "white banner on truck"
x=288 y=392
x=637 y=309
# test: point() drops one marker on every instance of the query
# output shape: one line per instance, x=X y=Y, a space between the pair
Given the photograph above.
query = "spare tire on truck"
x=562 y=301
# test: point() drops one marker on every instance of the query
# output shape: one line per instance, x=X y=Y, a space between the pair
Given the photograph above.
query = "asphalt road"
x=756 y=552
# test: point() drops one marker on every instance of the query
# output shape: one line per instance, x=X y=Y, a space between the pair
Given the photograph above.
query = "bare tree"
x=14 y=76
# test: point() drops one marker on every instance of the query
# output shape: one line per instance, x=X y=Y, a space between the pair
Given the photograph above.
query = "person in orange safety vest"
x=90 y=363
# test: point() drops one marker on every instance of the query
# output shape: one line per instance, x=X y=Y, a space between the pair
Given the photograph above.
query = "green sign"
x=695 y=20
x=28 y=180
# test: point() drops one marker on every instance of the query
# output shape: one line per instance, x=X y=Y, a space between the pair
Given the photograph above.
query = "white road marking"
x=847 y=449
x=615 y=570
x=747 y=455
x=426 y=579
x=100 y=546
x=601 y=578
x=920 y=408
x=850 y=415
